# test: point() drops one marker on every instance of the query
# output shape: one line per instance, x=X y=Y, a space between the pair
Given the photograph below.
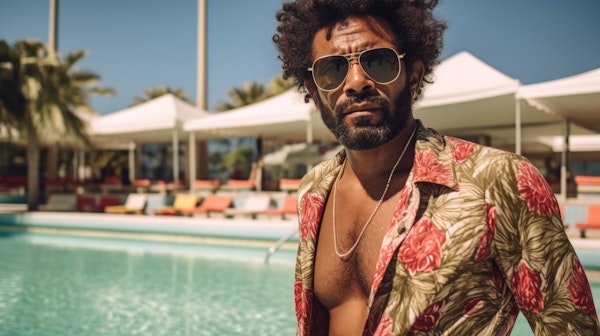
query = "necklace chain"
x=387 y=186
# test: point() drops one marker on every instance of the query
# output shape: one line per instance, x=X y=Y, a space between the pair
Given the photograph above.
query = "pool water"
x=66 y=286
x=62 y=285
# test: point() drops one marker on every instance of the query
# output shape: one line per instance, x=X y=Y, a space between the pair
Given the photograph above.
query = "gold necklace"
x=387 y=186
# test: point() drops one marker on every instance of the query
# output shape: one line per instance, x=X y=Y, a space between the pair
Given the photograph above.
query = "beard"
x=364 y=135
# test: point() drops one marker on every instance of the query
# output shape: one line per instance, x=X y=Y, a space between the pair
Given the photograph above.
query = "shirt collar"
x=433 y=162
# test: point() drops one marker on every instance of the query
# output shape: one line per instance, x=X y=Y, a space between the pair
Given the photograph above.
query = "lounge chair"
x=207 y=185
x=134 y=204
x=85 y=203
x=253 y=205
x=157 y=201
x=593 y=220
x=141 y=185
x=111 y=184
x=288 y=207
x=59 y=202
x=107 y=200
x=587 y=184
x=289 y=184
x=182 y=202
x=211 y=204
x=561 y=208
x=239 y=185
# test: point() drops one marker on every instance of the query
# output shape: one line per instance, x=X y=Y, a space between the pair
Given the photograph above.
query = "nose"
x=357 y=81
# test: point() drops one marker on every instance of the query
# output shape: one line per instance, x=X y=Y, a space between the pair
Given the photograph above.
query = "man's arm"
x=541 y=267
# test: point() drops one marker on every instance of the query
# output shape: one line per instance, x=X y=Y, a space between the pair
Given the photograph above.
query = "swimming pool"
x=52 y=284
x=64 y=285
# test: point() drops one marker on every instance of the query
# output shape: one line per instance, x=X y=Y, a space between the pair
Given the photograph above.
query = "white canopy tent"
x=283 y=117
x=464 y=86
x=159 y=120
x=576 y=99
x=291 y=153
x=469 y=97
x=153 y=121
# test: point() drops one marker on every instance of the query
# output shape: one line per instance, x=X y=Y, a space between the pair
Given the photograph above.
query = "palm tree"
x=279 y=85
x=43 y=98
x=155 y=92
x=254 y=92
x=241 y=96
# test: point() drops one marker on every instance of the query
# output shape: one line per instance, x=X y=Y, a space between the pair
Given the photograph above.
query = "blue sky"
x=137 y=44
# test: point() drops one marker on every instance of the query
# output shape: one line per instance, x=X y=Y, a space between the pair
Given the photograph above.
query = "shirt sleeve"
x=539 y=263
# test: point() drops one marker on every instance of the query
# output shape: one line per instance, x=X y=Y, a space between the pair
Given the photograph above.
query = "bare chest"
x=339 y=279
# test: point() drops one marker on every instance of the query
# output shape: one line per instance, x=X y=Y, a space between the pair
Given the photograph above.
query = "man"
x=406 y=231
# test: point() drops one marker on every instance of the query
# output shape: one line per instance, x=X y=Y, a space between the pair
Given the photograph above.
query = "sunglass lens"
x=330 y=72
x=382 y=65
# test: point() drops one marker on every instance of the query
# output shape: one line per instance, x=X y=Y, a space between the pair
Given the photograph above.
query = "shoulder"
x=319 y=178
x=462 y=150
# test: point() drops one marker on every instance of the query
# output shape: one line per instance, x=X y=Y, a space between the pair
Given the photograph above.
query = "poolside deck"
x=258 y=232
x=261 y=230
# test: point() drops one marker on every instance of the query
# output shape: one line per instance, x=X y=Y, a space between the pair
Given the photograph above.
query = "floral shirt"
x=476 y=237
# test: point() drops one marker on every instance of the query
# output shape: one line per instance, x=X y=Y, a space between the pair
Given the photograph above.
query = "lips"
x=366 y=108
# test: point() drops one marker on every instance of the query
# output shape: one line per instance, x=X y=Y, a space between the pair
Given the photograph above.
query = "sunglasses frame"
x=356 y=56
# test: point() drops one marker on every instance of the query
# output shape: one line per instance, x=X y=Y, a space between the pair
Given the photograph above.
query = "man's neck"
x=378 y=162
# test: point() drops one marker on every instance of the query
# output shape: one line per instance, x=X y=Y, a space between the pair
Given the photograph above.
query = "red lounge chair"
x=561 y=208
x=210 y=185
x=593 y=219
x=108 y=200
x=85 y=203
x=289 y=184
x=238 y=185
x=141 y=183
x=588 y=184
x=287 y=208
x=211 y=203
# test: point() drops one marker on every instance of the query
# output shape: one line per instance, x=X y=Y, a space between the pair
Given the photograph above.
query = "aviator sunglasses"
x=382 y=65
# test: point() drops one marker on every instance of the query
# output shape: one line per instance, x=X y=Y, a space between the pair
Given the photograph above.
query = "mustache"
x=352 y=100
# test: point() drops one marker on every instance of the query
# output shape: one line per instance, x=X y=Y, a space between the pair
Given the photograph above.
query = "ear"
x=310 y=87
x=416 y=76
x=313 y=92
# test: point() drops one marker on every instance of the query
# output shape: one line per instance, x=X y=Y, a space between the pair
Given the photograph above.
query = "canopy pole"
x=81 y=166
x=192 y=158
x=309 y=136
x=564 y=160
x=131 y=161
x=175 y=160
x=517 y=125
x=309 y=130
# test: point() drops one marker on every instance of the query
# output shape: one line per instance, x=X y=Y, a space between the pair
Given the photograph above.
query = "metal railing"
x=279 y=243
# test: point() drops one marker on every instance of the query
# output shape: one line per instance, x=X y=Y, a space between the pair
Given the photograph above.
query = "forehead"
x=352 y=35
